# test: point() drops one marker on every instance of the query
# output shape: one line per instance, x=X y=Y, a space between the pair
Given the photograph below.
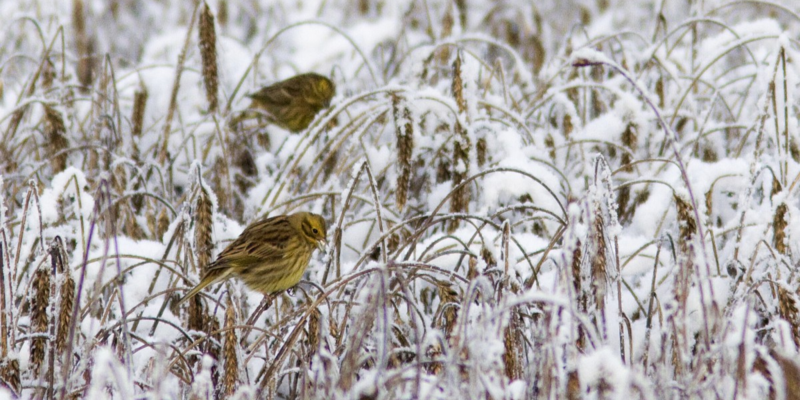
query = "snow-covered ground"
x=549 y=199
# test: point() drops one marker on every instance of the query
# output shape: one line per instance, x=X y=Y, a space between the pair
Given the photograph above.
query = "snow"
x=437 y=320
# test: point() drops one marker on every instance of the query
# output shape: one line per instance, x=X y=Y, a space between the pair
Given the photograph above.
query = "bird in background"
x=293 y=103
x=270 y=255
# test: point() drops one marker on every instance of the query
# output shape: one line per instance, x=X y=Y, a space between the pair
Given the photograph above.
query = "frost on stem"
x=203 y=385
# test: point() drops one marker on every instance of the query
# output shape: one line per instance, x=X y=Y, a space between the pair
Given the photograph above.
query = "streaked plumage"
x=294 y=102
x=270 y=255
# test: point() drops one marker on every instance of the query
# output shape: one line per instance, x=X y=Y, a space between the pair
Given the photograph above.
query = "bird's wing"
x=262 y=241
x=282 y=95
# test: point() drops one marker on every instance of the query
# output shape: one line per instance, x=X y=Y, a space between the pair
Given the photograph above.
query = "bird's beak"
x=322 y=244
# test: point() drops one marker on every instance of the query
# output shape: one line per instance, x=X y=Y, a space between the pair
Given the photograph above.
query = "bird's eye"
x=315 y=230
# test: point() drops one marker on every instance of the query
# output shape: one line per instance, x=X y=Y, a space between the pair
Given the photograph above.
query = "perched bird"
x=270 y=255
x=293 y=103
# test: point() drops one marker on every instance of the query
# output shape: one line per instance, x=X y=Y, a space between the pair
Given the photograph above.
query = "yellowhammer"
x=270 y=255
x=293 y=103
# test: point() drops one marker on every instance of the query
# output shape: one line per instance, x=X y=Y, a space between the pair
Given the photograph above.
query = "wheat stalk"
x=9 y=374
x=221 y=182
x=433 y=352
x=448 y=307
x=787 y=309
x=56 y=139
x=513 y=347
x=790 y=369
x=86 y=63
x=39 y=318
x=472 y=270
x=230 y=379
x=580 y=296
x=574 y=391
x=162 y=222
x=404 y=130
x=203 y=212
x=687 y=227
x=66 y=299
x=481 y=151
x=313 y=333
x=599 y=262
x=629 y=140
x=459 y=201
x=208 y=55
x=139 y=105
x=779 y=225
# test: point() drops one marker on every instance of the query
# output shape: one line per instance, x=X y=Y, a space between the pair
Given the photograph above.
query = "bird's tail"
x=250 y=113
x=240 y=116
x=210 y=277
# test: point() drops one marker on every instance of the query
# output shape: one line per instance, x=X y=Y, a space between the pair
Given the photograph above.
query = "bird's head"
x=312 y=227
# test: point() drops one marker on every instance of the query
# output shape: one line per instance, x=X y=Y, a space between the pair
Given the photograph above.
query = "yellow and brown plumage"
x=293 y=103
x=270 y=255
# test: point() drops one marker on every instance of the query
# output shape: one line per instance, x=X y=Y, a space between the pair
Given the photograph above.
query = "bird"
x=293 y=103
x=270 y=255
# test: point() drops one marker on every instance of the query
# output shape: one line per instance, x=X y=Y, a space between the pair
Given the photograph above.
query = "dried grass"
x=408 y=306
